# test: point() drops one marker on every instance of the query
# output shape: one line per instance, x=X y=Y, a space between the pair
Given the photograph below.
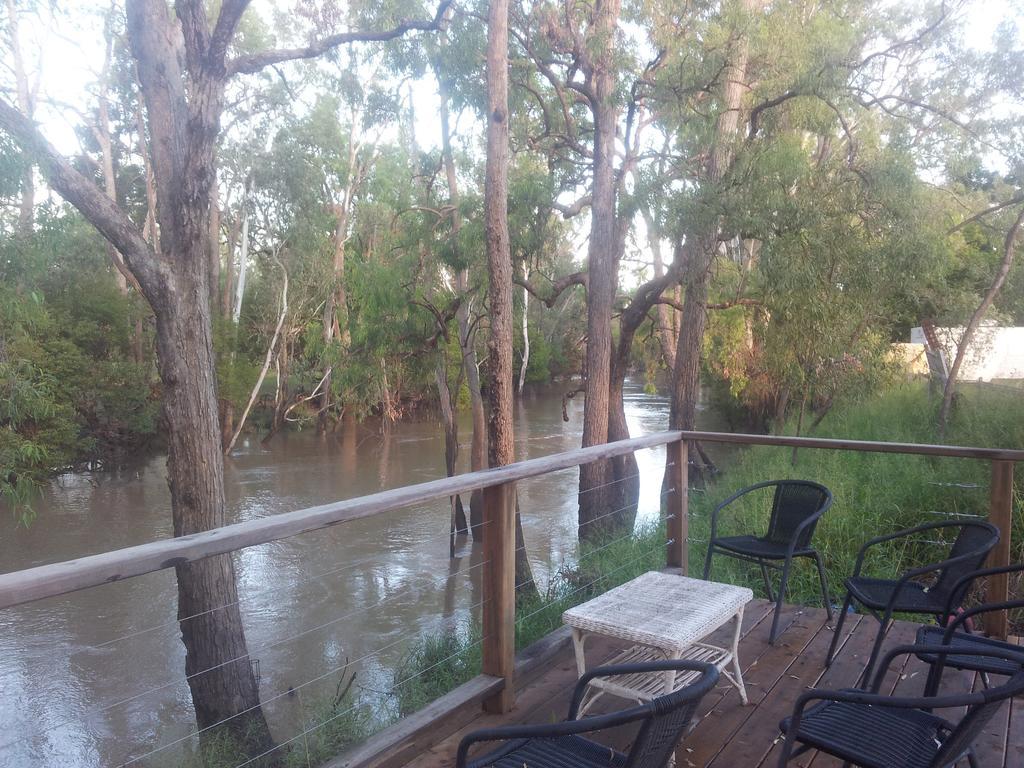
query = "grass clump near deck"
x=436 y=664
x=874 y=493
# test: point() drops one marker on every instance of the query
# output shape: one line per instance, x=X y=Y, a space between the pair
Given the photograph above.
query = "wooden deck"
x=730 y=735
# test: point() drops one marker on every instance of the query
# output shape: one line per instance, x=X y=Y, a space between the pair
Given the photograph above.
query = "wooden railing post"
x=1000 y=514
x=677 y=505
x=499 y=592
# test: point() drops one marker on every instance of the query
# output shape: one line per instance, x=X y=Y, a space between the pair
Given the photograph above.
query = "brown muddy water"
x=96 y=677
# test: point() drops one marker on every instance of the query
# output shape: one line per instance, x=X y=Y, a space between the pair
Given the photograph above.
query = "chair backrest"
x=794 y=502
x=669 y=716
x=974 y=541
x=976 y=718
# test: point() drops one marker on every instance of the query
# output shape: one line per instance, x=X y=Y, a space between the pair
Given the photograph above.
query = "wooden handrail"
x=71 y=575
x=863 y=446
x=45 y=581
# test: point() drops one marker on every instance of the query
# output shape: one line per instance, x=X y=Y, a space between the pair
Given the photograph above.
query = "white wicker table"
x=665 y=616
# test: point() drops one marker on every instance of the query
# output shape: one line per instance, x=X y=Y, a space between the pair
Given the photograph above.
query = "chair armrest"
x=734 y=497
x=962 y=618
x=941 y=651
x=924 y=569
x=965 y=580
x=898 y=535
x=548 y=731
x=709 y=676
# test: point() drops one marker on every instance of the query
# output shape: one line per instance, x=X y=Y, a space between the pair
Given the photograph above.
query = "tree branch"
x=1018 y=198
x=257 y=61
x=558 y=287
x=568 y=211
x=94 y=205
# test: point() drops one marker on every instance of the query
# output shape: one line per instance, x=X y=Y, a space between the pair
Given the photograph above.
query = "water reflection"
x=95 y=678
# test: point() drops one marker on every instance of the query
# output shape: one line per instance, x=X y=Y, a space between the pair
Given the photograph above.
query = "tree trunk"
x=271 y=348
x=185 y=128
x=467 y=346
x=499 y=264
x=25 y=102
x=335 y=317
x=451 y=443
x=702 y=244
x=594 y=496
x=666 y=326
x=214 y=247
x=526 y=332
x=1009 y=246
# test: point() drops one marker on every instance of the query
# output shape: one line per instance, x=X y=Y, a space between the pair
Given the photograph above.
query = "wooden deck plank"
x=851 y=655
x=725 y=720
x=752 y=743
x=733 y=736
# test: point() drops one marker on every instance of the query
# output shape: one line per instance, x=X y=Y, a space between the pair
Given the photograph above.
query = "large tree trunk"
x=499 y=263
x=184 y=127
x=594 y=496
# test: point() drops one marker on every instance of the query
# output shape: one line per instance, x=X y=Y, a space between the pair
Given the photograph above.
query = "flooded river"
x=96 y=677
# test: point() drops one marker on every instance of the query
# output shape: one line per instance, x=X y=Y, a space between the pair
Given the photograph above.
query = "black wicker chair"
x=973 y=542
x=796 y=507
x=953 y=634
x=871 y=730
x=662 y=723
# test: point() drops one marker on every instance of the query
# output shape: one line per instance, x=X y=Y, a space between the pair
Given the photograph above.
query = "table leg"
x=736 y=656
x=577 y=644
x=591 y=694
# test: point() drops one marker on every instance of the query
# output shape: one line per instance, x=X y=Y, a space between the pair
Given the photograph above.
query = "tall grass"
x=874 y=493
x=436 y=664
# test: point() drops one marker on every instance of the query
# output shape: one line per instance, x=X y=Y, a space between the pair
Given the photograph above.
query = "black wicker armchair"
x=953 y=634
x=872 y=730
x=884 y=597
x=662 y=722
x=796 y=507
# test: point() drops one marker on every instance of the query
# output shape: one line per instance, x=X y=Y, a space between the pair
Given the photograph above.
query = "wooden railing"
x=495 y=687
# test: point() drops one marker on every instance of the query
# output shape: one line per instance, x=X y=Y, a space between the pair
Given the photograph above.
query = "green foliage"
x=70 y=390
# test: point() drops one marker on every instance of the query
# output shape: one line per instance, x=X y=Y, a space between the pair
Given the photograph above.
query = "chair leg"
x=824 y=585
x=876 y=649
x=707 y=560
x=838 y=630
x=767 y=582
x=778 y=603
